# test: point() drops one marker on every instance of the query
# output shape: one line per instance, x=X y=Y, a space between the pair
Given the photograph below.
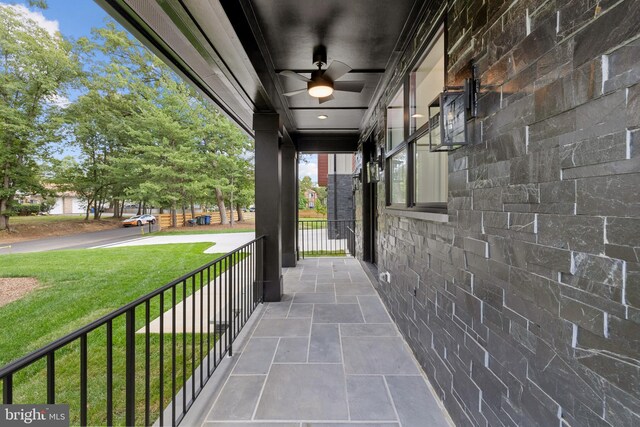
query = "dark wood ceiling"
x=361 y=33
x=232 y=50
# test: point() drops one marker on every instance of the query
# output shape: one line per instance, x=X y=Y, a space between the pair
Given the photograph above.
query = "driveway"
x=76 y=241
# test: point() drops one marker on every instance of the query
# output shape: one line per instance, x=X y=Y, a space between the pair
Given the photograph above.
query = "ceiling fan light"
x=319 y=88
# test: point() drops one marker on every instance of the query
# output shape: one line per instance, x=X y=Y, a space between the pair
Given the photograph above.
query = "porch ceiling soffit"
x=232 y=50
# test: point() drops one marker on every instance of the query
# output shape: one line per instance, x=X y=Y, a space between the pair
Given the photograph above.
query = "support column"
x=268 y=199
x=289 y=204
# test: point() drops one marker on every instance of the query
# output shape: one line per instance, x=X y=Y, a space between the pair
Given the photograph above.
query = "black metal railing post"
x=130 y=355
x=7 y=389
x=51 y=378
x=83 y=381
x=229 y=305
x=326 y=238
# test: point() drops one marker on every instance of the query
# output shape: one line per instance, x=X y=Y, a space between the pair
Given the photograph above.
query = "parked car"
x=252 y=209
x=138 y=220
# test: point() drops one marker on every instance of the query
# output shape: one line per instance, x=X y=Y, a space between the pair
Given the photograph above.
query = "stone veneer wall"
x=344 y=196
x=524 y=309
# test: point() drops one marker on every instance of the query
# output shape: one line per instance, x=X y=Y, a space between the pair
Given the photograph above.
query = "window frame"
x=409 y=141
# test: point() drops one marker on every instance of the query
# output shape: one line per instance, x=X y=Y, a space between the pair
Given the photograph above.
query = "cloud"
x=309 y=169
x=58 y=100
x=51 y=27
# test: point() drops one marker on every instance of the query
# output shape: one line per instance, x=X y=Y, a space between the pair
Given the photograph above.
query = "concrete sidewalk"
x=224 y=242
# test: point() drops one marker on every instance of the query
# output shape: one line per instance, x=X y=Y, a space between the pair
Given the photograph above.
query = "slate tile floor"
x=327 y=355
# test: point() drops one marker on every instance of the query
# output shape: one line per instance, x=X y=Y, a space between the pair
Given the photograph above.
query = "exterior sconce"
x=448 y=117
x=380 y=157
x=373 y=170
x=356 y=180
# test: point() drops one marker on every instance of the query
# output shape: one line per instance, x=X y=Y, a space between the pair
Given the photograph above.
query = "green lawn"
x=321 y=253
x=312 y=224
x=79 y=286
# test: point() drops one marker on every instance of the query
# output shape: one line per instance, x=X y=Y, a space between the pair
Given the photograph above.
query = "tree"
x=228 y=153
x=36 y=68
x=304 y=185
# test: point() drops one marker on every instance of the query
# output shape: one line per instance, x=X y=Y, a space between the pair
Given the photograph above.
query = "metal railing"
x=326 y=238
x=135 y=370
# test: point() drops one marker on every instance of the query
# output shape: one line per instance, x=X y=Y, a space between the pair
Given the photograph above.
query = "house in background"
x=311 y=197
x=68 y=203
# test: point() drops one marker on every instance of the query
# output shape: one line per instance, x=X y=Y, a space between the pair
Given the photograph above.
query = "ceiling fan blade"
x=336 y=70
x=325 y=99
x=293 y=74
x=349 y=86
x=294 y=92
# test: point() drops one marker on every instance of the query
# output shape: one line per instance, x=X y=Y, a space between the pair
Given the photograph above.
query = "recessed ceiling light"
x=323 y=116
x=417 y=116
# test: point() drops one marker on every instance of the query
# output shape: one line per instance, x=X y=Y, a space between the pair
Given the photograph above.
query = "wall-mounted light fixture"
x=380 y=157
x=373 y=172
x=449 y=115
x=357 y=179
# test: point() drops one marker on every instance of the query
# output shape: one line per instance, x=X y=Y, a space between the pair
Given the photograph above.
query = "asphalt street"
x=76 y=241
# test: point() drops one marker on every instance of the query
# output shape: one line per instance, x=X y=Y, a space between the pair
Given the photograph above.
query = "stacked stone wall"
x=524 y=308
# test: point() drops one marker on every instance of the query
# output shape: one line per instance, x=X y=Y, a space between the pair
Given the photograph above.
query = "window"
x=431 y=174
x=417 y=177
x=398 y=178
x=425 y=84
x=395 y=121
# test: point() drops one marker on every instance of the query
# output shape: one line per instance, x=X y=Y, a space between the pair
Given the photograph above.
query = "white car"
x=138 y=220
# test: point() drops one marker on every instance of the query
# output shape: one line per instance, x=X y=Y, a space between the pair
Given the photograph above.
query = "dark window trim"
x=408 y=143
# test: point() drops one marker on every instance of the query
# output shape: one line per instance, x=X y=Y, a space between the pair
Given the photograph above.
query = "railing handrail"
x=26 y=360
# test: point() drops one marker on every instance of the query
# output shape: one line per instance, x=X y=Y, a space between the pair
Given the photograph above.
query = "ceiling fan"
x=323 y=83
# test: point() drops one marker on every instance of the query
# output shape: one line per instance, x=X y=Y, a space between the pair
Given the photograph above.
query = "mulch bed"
x=14 y=288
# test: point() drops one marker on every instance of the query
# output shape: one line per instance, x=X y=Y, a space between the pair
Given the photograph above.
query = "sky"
x=73 y=18
x=76 y=18
x=309 y=167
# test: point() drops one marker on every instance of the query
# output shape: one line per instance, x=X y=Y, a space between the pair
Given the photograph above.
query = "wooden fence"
x=165 y=219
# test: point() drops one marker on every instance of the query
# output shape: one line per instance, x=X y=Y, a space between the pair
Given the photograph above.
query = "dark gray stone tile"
x=346 y=299
x=283 y=328
x=351 y=425
x=324 y=346
x=337 y=313
x=377 y=355
x=366 y=330
x=249 y=424
x=373 y=310
x=300 y=311
x=238 y=398
x=292 y=350
x=368 y=399
x=355 y=289
x=314 y=298
x=326 y=288
x=277 y=310
x=414 y=402
x=304 y=392
x=256 y=356
x=300 y=287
